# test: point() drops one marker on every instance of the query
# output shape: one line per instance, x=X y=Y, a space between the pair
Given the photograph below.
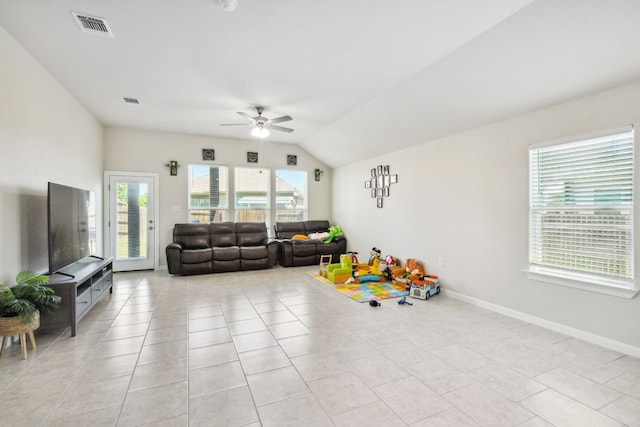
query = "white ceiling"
x=359 y=77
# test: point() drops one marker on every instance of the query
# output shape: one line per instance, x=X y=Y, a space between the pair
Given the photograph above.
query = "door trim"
x=156 y=206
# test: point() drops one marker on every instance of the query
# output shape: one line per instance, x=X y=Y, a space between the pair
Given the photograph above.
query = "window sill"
x=603 y=286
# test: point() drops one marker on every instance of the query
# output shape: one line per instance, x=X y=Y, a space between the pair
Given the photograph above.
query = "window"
x=208 y=193
x=252 y=202
x=291 y=195
x=581 y=212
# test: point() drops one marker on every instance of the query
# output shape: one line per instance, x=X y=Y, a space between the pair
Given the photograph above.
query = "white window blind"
x=581 y=207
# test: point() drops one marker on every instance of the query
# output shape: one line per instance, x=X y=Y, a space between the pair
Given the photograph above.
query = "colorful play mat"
x=364 y=292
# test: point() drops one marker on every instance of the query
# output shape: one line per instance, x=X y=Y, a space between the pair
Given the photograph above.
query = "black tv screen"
x=71 y=221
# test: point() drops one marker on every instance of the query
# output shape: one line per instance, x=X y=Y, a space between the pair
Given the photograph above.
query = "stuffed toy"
x=335 y=231
x=413 y=270
x=375 y=255
x=318 y=236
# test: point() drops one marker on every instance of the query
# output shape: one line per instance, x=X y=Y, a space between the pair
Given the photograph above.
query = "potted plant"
x=20 y=307
x=28 y=297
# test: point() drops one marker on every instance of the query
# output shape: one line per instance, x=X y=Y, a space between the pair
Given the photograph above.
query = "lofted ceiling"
x=359 y=77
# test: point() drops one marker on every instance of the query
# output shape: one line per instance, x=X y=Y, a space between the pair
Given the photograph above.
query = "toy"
x=375 y=255
x=414 y=269
x=318 y=236
x=404 y=301
x=374 y=262
x=325 y=260
x=425 y=287
x=369 y=278
x=342 y=272
x=385 y=270
x=391 y=261
x=335 y=231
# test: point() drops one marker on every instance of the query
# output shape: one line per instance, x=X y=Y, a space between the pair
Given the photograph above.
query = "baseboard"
x=557 y=327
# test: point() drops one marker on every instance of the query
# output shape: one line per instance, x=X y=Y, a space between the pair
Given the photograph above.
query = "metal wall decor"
x=252 y=157
x=173 y=166
x=208 y=154
x=292 y=160
x=379 y=183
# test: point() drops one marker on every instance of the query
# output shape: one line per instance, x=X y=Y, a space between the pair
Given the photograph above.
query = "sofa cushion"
x=195 y=256
x=251 y=233
x=226 y=253
x=192 y=236
x=223 y=234
x=315 y=226
x=253 y=252
x=304 y=248
x=286 y=230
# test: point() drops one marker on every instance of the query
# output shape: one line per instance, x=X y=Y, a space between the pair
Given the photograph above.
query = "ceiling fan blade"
x=280 y=119
x=235 y=124
x=246 y=116
x=281 y=129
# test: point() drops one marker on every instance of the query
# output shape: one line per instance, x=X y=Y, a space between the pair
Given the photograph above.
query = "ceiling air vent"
x=92 y=24
x=130 y=100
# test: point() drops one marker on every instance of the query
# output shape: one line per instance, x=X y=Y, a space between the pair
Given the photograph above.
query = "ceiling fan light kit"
x=260 y=132
x=262 y=126
x=228 y=5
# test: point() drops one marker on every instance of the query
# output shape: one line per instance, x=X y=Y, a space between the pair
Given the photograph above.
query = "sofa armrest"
x=273 y=246
x=173 y=257
x=286 y=252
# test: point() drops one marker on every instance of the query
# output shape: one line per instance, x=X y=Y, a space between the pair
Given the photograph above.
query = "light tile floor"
x=276 y=348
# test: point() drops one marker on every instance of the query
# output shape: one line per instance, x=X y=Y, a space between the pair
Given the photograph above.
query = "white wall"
x=45 y=135
x=148 y=151
x=465 y=199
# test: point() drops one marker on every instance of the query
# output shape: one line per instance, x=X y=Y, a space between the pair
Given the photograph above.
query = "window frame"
x=190 y=209
x=267 y=209
x=305 y=193
x=590 y=281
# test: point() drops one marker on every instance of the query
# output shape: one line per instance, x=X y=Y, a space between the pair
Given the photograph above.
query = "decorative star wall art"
x=380 y=183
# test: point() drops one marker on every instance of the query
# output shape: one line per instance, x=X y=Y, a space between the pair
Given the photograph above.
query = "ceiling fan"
x=262 y=125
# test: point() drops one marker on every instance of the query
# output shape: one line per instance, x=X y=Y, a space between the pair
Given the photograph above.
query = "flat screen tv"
x=72 y=225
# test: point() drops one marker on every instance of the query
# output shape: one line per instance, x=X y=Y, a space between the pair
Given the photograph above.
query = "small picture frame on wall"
x=367 y=184
x=373 y=172
x=292 y=160
x=380 y=202
x=208 y=154
x=385 y=193
x=394 y=179
x=380 y=192
x=373 y=193
x=252 y=157
x=379 y=170
x=385 y=170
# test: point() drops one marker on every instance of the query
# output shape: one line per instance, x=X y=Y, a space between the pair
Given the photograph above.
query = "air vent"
x=130 y=100
x=92 y=24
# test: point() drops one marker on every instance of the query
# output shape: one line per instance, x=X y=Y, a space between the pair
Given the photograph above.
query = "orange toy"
x=413 y=270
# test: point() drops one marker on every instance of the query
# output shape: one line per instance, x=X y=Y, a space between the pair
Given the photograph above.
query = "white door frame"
x=107 y=211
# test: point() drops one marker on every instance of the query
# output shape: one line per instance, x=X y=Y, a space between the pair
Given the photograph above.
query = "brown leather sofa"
x=220 y=247
x=294 y=253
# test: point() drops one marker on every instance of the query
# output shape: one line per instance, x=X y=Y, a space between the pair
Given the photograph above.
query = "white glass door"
x=132 y=222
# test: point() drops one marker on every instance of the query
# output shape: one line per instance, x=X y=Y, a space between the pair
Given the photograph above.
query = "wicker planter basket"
x=10 y=326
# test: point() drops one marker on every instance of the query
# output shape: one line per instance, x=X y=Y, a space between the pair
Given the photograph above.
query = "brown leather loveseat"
x=220 y=247
x=306 y=252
